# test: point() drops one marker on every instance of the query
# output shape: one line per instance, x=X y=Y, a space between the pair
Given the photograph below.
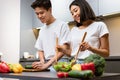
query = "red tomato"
x=65 y=74
x=62 y=74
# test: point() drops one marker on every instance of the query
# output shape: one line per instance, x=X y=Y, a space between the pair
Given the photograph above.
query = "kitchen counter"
x=110 y=58
x=52 y=76
x=112 y=63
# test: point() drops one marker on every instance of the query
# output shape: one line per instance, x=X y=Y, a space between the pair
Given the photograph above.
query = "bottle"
x=1 y=56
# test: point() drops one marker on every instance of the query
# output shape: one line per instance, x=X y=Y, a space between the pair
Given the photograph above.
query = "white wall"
x=27 y=38
x=10 y=30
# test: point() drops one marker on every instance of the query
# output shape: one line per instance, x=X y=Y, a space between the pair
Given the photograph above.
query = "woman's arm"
x=104 y=46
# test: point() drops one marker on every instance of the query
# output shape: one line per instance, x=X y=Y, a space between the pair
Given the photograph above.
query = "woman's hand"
x=85 y=46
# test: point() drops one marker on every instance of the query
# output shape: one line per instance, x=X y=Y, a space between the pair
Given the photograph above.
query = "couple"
x=96 y=41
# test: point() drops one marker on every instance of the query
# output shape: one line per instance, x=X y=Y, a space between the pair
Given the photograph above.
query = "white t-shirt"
x=94 y=32
x=47 y=37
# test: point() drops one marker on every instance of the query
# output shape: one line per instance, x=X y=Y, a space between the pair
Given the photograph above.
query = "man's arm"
x=39 y=64
x=41 y=56
x=52 y=60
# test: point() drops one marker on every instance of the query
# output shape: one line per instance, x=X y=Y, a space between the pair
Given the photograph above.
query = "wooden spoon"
x=75 y=58
x=56 y=50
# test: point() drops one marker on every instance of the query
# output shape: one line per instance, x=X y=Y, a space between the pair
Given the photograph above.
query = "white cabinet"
x=109 y=6
x=60 y=10
x=102 y=7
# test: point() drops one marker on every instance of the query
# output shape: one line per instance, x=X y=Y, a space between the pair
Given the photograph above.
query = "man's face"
x=43 y=14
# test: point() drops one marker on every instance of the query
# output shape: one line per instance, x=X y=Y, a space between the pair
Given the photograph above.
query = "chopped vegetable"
x=28 y=66
x=62 y=66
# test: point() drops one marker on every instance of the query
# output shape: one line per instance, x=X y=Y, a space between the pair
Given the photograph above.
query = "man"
x=52 y=30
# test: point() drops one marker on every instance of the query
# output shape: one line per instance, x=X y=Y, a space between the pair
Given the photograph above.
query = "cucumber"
x=81 y=74
x=28 y=67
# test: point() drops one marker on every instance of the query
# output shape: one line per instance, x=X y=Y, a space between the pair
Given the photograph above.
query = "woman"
x=97 y=38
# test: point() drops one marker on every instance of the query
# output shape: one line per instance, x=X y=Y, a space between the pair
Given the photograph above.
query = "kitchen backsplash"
x=113 y=24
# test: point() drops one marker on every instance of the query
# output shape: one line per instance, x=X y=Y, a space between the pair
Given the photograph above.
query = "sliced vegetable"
x=28 y=66
x=62 y=66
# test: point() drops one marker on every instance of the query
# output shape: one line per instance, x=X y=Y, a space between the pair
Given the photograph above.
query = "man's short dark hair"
x=46 y=4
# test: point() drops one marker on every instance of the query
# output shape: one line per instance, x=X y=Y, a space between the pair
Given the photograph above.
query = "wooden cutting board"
x=34 y=70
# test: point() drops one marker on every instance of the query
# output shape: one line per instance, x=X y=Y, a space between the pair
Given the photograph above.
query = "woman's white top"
x=94 y=32
x=47 y=37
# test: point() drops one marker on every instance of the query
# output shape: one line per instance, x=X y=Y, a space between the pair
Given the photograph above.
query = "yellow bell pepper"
x=17 y=68
x=76 y=67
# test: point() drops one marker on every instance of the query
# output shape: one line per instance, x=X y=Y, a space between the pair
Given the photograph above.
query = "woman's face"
x=75 y=11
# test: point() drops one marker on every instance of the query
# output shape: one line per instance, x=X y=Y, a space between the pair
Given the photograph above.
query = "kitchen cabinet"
x=109 y=6
x=103 y=7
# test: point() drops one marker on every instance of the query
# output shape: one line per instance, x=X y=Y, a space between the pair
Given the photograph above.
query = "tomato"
x=62 y=74
x=65 y=74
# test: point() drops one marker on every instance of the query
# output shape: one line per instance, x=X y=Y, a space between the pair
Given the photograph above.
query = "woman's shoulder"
x=99 y=23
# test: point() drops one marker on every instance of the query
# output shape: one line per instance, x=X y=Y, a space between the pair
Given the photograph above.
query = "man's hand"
x=39 y=65
x=35 y=65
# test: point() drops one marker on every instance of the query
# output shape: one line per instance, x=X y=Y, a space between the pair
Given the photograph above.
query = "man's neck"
x=51 y=20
